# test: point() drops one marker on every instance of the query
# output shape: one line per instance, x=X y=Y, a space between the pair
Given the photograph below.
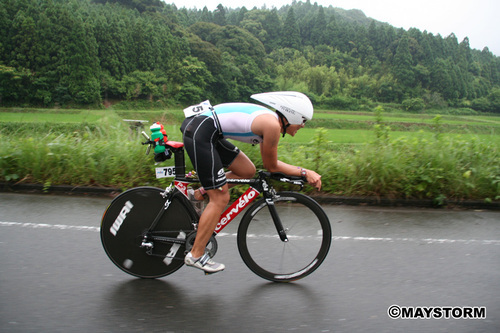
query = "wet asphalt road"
x=55 y=277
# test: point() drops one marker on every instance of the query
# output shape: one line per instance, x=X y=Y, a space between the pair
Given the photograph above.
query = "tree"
x=273 y=26
x=112 y=37
x=237 y=41
x=316 y=78
x=318 y=34
x=207 y=53
x=206 y=15
x=206 y=31
x=14 y=84
x=254 y=23
x=464 y=54
x=331 y=31
x=25 y=42
x=291 y=35
x=403 y=69
x=220 y=15
x=494 y=99
x=140 y=5
x=441 y=79
x=234 y=18
x=195 y=78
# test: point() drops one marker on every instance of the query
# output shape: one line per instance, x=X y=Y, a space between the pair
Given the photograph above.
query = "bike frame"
x=180 y=185
x=236 y=207
x=257 y=186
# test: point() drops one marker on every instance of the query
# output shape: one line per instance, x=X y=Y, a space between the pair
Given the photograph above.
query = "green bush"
x=481 y=104
x=341 y=102
x=413 y=104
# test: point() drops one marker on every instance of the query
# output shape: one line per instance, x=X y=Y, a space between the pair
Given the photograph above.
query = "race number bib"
x=165 y=172
x=193 y=110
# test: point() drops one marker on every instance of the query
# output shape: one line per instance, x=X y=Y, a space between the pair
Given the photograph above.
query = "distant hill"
x=79 y=52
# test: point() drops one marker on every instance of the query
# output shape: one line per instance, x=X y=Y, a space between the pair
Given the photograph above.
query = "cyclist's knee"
x=247 y=171
x=219 y=196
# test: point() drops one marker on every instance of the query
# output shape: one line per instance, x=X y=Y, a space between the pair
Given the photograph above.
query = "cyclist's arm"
x=269 y=151
x=312 y=177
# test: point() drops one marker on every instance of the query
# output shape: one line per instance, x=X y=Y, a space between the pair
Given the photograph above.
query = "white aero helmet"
x=294 y=106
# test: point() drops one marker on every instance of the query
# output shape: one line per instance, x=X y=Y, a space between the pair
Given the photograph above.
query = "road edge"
x=322 y=199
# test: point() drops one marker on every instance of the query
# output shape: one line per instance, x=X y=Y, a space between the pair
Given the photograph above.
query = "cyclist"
x=204 y=137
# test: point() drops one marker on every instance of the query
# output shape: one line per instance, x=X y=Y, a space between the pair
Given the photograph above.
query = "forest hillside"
x=90 y=52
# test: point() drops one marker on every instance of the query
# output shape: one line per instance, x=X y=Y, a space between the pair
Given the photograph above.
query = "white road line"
x=49 y=226
x=335 y=238
x=421 y=240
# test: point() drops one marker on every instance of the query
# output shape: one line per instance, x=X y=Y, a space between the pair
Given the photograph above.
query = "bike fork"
x=277 y=221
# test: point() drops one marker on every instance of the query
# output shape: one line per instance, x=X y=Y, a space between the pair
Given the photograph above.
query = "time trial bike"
x=282 y=237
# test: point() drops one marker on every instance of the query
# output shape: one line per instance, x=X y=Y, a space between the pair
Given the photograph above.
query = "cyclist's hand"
x=314 y=179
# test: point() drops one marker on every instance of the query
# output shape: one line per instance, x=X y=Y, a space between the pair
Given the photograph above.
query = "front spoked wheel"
x=308 y=231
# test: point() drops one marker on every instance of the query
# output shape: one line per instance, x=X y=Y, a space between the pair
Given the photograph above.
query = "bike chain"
x=211 y=248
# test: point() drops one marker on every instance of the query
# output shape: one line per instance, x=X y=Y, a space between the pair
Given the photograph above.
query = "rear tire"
x=129 y=217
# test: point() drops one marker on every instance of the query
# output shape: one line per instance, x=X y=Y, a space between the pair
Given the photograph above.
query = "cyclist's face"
x=292 y=129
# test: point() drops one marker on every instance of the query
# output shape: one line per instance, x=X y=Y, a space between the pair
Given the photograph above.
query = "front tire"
x=309 y=237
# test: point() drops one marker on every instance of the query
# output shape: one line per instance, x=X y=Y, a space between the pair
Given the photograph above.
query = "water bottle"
x=198 y=205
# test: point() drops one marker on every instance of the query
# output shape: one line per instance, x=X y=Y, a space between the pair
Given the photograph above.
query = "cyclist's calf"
x=219 y=198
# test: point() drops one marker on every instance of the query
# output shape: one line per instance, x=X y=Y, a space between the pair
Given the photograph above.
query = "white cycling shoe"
x=204 y=263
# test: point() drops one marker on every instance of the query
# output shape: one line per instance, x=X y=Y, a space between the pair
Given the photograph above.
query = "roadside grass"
x=98 y=148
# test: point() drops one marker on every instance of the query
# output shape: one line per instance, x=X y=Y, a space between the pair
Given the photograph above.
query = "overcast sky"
x=477 y=19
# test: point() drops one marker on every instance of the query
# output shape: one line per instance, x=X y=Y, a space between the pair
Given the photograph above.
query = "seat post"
x=180 y=163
